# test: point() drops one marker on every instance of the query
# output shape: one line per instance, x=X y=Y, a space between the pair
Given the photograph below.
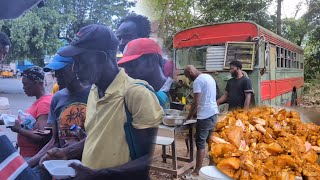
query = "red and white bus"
x=274 y=65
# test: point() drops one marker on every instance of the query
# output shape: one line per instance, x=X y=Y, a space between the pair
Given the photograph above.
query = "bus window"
x=289 y=60
x=241 y=51
x=192 y=55
x=282 y=58
x=278 y=57
x=286 y=58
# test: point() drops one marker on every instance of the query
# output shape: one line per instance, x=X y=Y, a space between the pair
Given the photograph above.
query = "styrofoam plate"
x=9 y=120
x=59 y=169
x=212 y=172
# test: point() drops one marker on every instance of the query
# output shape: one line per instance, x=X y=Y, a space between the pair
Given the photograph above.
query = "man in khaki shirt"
x=105 y=152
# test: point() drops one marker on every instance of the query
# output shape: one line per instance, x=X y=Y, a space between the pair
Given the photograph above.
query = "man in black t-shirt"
x=238 y=91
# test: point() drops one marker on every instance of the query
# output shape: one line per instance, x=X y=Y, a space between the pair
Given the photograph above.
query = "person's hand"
x=54 y=154
x=82 y=172
x=16 y=128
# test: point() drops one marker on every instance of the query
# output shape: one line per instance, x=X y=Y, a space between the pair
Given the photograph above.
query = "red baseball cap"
x=138 y=47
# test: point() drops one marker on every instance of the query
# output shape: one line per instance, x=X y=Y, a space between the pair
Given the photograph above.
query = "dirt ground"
x=181 y=149
x=309 y=109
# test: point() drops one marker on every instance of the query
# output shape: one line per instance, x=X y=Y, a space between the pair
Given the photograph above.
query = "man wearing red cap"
x=142 y=60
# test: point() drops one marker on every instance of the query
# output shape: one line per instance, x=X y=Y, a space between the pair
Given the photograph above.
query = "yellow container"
x=183 y=100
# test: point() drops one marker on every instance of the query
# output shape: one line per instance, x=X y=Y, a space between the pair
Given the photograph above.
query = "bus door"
x=272 y=66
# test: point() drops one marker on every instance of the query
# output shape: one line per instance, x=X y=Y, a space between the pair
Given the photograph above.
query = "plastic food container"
x=59 y=169
x=212 y=173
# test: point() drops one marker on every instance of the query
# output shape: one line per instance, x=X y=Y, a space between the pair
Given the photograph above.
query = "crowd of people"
x=117 y=105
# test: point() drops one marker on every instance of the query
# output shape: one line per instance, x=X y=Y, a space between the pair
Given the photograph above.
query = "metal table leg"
x=191 y=143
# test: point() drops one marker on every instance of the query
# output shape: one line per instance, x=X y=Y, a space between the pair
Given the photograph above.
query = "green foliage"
x=176 y=15
x=312 y=56
x=41 y=31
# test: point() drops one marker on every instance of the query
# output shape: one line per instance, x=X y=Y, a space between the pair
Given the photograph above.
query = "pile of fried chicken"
x=266 y=143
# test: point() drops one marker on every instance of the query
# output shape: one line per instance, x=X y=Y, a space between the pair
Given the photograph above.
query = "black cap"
x=92 y=37
x=236 y=63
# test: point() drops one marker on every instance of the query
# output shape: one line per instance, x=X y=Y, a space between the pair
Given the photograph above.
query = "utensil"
x=173 y=120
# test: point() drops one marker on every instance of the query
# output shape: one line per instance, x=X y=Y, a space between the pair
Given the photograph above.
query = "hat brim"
x=70 y=51
x=128 y=58
x=54 y=66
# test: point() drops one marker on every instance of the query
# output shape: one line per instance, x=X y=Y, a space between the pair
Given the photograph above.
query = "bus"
x=274 y=65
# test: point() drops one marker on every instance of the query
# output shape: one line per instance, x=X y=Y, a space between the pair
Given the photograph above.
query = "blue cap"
x=58 y=62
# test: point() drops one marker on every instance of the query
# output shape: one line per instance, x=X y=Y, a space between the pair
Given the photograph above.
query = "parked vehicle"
x=274 y=65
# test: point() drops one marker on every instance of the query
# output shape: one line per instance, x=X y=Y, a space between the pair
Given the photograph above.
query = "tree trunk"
x=279 y=17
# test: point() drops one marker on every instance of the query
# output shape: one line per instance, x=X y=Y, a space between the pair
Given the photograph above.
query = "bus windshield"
x=191 y=55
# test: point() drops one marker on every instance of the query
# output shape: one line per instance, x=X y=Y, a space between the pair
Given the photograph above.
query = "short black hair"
x=4 y=39
x=236 y=63
x=142 y=23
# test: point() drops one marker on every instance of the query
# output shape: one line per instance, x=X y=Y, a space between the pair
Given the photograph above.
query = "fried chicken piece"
x=311 y=170
x=242 y=116
x=218 y=140
x=311 y=156
x=295 y=114
x=244 y=175
x=318 y=142
x=221 y=149
x=260 y=128
x=259 y=121
x=220 y=125
x=234 y=135
x=283 y=175
x=258 y=177
x=229 y=166
x=284 y=161
x=316 y=148
x=274 y=148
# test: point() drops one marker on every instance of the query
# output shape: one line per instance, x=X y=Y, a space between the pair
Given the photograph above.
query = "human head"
x=4 y=46
x=142 y=59
x=235 y=68
x=62 y=66
x=94 y=51
x=32 y=80
x=191 y=72
x=132 y=27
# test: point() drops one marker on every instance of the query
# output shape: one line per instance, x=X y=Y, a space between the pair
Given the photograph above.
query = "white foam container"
x=9 y=120
x=212 y=173
x=59 y=169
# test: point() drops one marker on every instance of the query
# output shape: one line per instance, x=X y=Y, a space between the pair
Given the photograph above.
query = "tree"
x=42 y=31
x=176 y=15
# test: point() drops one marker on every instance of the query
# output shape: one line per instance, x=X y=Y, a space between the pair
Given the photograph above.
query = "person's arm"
x=51 y=144
x=194 y=105
x=137 y=168
x=41 y=123
x=247 y=101
x=73 y=151
x=247 y=88
x=223 y=98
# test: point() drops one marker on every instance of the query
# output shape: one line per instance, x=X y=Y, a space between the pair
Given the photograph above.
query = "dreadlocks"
x=142 y=23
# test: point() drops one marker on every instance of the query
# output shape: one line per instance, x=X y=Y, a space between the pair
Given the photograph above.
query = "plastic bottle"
x=27 y=121
x=80 y=133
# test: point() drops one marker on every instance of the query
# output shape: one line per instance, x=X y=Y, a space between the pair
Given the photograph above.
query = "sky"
x=288 y=8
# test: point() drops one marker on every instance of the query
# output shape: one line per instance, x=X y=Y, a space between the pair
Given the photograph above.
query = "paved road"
x=12 y=89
